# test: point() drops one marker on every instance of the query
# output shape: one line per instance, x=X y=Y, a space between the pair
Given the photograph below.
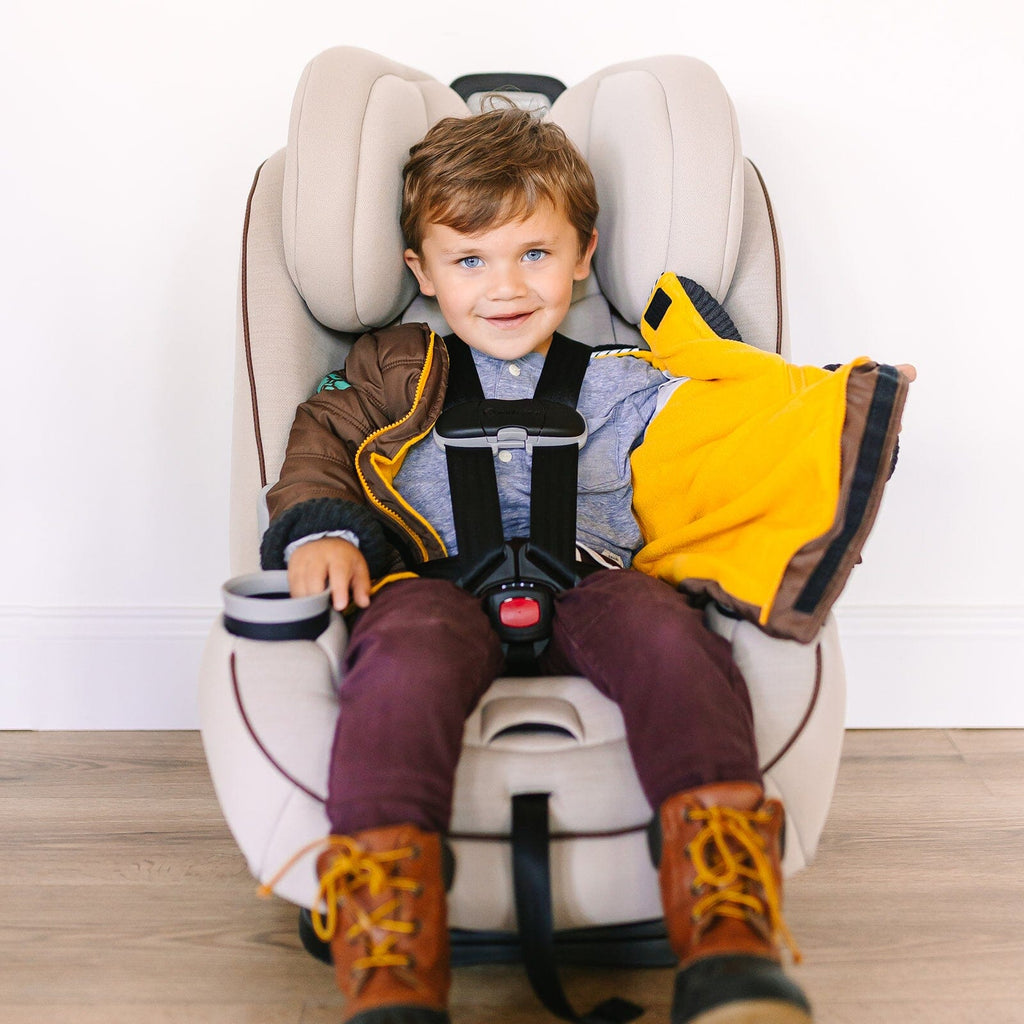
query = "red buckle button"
x=519 y=612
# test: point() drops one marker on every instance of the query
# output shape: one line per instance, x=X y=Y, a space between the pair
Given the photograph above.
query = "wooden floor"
x=123 y=898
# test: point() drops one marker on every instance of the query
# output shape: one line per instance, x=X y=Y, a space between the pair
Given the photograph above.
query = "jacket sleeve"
x=319 y=489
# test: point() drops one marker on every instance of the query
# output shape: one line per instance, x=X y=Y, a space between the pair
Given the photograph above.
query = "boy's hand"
x=908 y=370
x=334 y=563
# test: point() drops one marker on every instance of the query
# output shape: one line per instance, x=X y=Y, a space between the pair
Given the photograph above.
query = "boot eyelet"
x=418 y=891
x=416 y=852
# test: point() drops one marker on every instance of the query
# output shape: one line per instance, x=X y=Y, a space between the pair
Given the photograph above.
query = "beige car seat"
x=321 y=262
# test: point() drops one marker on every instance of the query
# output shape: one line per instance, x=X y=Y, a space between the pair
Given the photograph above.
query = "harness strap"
x=555 y=474
x=475 y=506
x=564 y=367
x=531 y=875
x=471 y=477
x=463 y=380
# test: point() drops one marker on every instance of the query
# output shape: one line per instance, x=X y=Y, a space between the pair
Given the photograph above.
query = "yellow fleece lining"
x=388 y=470
x=741 y=469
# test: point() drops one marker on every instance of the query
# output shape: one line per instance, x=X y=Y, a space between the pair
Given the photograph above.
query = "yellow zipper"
x=420 y=385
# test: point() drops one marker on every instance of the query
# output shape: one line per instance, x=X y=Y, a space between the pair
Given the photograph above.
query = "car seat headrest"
x=354 y=118
x=660 y=135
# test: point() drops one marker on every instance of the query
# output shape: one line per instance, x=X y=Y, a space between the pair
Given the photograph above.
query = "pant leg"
x=418 y=660
x=684 y=701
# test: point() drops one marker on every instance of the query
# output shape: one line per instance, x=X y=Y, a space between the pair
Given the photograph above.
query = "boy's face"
x=504 y=291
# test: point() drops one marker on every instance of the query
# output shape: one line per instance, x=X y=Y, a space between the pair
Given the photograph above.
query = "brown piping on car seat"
x=245 y=330
x=481 y=837
x=778 y=260
x=815 y=693
x=474 y=836
x=259 y=743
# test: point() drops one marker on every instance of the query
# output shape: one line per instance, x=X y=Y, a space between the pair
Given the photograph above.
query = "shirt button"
x=505 y=455
x=514 y=369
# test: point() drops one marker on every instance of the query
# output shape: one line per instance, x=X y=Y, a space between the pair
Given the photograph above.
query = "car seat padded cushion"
x=354 y=117
x=660 y=135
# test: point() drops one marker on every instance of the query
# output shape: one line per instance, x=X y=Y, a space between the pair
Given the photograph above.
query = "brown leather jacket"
x=347 y=443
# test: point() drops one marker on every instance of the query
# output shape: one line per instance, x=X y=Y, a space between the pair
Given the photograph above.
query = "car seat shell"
x=321 y=261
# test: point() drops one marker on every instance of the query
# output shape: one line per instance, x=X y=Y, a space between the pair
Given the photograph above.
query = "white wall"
x=889 y=131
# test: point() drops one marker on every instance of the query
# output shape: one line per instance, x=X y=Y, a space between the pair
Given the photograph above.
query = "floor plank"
x=123 y=897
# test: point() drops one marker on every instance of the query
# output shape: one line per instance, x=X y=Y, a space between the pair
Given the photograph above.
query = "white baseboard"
x=137 y=668
x=934 y=666
x=101 y=668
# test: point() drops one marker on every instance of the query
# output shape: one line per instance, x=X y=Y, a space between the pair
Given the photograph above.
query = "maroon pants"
x=423 y=653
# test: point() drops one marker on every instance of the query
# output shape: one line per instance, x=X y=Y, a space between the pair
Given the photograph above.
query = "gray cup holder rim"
x=262 y=597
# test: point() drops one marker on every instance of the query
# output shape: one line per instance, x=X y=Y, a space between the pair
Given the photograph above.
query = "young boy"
x=498 y=215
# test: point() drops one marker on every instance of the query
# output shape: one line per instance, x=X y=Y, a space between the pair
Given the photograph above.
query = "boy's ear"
x=415 y=264
x=583 y=266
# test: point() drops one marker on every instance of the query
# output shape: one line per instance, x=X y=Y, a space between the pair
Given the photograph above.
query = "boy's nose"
x=506 y=283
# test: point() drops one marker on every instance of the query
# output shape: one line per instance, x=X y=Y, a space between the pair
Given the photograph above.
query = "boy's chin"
x=507 y=348
x=511 y=353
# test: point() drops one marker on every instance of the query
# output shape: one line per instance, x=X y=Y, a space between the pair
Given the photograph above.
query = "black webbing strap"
x=564 y=367
x=531 y=876
x=553 y=492
x=554 y=477
x=463 y=380
x=560 y=379
x=476 y=508
x=473 y=483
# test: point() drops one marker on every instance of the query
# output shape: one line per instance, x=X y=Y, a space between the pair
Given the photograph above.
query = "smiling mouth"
x=509 y=320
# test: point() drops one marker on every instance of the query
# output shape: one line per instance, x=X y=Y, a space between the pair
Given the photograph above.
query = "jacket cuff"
x=323 y=515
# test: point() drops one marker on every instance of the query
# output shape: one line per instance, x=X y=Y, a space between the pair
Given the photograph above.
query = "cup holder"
x=257 y=606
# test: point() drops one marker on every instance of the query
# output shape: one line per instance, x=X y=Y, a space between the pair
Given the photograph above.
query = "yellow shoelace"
x=354 y=869
x=728 y=854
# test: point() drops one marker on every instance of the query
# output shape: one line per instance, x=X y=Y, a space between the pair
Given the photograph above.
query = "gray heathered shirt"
x=618 y=399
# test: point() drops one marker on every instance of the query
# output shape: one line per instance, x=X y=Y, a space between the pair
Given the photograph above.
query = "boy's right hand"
x=330 y=563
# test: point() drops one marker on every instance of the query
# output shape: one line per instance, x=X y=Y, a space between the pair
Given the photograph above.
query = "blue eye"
x=471 y=262
x=532 y=255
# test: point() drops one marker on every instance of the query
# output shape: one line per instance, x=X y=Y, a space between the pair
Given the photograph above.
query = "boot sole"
x=754 y=1011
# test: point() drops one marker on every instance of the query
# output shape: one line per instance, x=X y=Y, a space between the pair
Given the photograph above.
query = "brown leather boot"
x=387 y=923
x=721 y=888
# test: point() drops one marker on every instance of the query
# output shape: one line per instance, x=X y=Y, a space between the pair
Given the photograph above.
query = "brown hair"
x=472 y=173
